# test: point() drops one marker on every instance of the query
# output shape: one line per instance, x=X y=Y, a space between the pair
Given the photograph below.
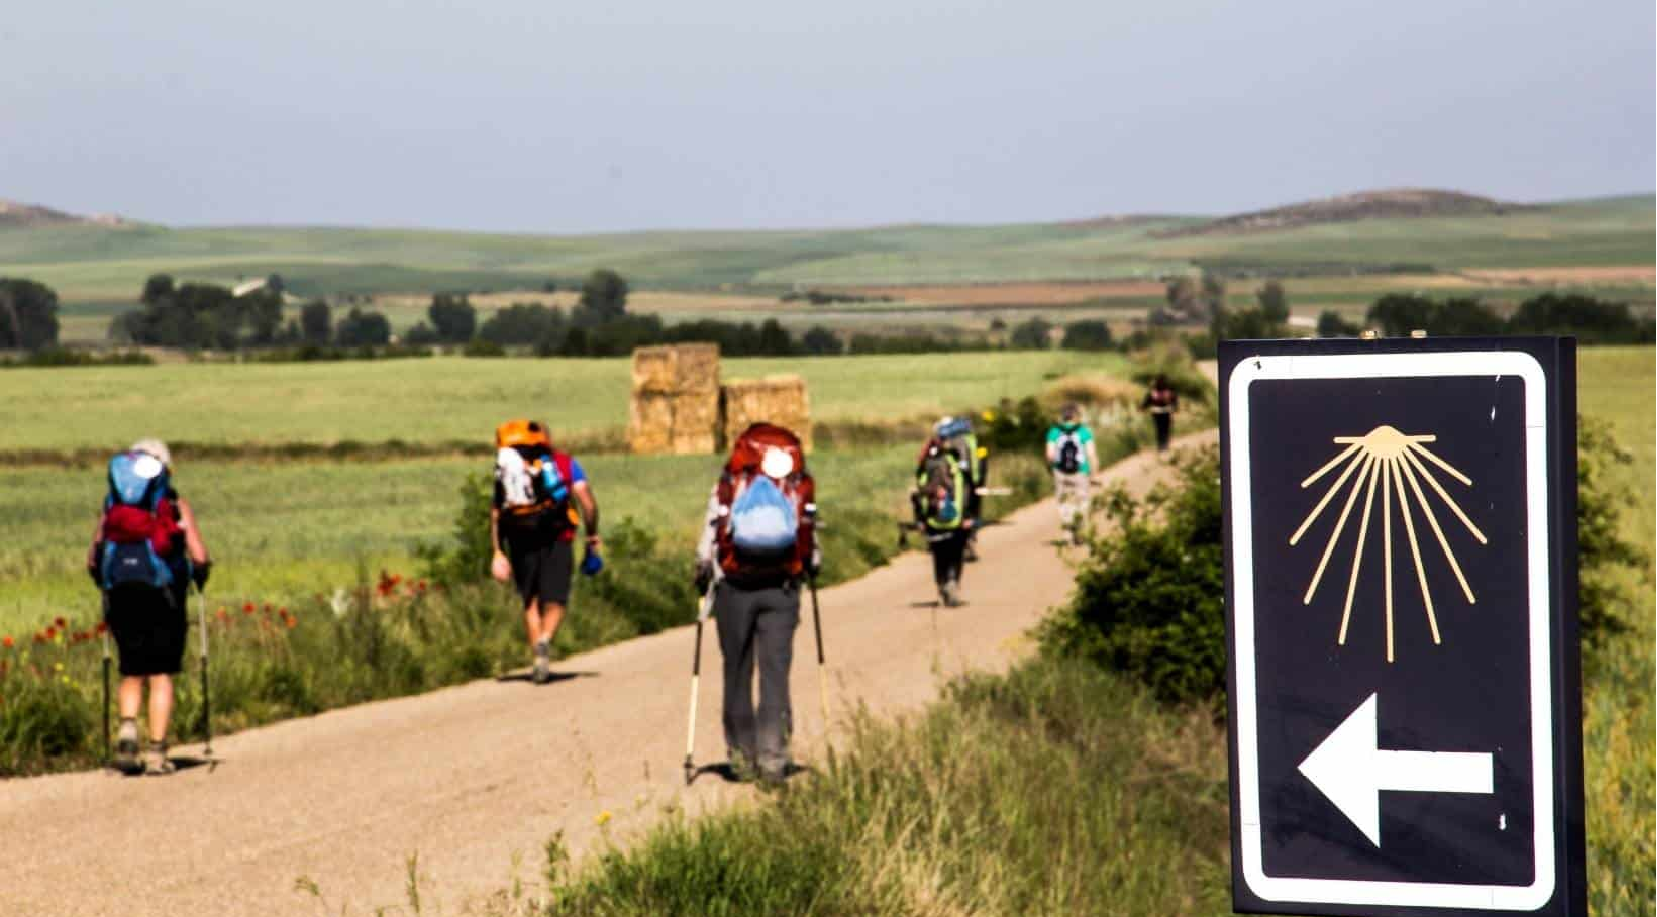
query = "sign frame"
x=1547 y=368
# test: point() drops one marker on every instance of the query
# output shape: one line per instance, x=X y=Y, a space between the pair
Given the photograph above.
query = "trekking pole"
x=695 y=686
x=817 y=626
x=206 y=698
x=106 y=758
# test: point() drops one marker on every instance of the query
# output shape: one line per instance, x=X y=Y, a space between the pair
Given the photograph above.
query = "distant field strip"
x=448 y=399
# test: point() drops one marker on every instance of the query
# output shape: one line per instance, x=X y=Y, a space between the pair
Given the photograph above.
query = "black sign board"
x=1401 y=608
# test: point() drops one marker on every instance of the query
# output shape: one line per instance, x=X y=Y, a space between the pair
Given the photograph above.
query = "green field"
x=447 y=399
x=101 y=264
x=281 y=529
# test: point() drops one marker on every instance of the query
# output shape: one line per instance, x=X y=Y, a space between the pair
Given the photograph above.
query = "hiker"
x=1073 y=458
x=1162 y=402
x=957 y=434
x=541 y=493
x=942 y=500
x=757 y=544
x=146 y=550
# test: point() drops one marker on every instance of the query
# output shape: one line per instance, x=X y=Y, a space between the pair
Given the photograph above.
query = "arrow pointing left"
x=1351 y=770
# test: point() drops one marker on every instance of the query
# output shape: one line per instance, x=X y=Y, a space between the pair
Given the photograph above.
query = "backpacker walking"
x=943 y=501
x=146 y=550
x=758 y=543
x=540 y=495
x=1073 y=458
x=956 y=433
x=1162 y=402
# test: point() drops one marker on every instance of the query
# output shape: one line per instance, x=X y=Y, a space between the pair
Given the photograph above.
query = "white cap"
x=154 y=447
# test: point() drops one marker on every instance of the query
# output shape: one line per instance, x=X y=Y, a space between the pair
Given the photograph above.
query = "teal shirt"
x=1083 y=437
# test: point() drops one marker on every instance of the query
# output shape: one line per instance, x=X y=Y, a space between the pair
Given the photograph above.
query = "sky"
x=569 y=117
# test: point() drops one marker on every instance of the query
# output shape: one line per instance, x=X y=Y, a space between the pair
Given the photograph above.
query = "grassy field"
x=453 y=399
x=1063 y=788
x=103 y=264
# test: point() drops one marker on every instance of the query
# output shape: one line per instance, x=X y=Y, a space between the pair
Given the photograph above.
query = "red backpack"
x=749 y=471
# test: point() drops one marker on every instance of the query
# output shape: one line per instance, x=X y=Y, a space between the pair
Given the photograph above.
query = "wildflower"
x=7 y=642
x=603 y=818
x=60 y=623
x=57 y=666
x=51 y=633
x=292 y=623
x=102 y=628
x=421 y=585
x=247 y=608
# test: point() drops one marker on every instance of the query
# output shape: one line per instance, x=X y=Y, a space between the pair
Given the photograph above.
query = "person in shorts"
x=149 y=623
x=532 y=532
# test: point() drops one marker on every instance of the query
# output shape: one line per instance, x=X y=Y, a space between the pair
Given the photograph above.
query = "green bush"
x=1150 y=599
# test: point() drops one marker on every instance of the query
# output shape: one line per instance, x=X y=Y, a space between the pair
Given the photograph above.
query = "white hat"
x=154 y=447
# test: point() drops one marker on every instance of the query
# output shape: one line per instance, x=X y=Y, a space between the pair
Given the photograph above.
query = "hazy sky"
x=544 y=115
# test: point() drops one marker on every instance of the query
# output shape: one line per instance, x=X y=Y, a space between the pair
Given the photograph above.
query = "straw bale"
x=650 y=423
x=781 y=400
x=669 y=368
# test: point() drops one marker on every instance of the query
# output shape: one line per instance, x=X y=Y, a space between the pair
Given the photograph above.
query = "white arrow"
x=1351 y=770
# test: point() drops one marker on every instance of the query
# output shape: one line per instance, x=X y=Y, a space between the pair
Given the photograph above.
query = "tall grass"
x=1058 y=789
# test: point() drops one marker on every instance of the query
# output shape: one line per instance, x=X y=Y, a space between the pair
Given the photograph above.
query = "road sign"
x=1405 y=701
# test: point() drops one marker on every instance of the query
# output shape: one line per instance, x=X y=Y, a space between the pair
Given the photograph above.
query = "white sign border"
x=1394 y=365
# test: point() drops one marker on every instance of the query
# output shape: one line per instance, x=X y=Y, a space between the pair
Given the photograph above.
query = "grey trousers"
x=757 y=626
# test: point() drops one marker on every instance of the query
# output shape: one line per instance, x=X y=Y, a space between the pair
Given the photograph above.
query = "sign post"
x=1405 y=700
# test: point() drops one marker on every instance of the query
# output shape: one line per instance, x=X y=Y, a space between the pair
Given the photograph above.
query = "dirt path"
x=475 y=777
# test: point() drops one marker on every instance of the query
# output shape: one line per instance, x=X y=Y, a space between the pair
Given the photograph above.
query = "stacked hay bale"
x=781 y=400
x=675 y=404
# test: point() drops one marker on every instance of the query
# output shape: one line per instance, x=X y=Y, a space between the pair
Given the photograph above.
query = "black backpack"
x=1070 y=453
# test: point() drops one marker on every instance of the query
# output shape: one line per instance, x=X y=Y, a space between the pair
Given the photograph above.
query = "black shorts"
x=544 y=571
x=148 y=626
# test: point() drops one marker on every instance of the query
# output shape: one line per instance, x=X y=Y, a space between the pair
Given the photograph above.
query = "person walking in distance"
x=146 y=550
x=758 y=543
x=1162 y=402
x=943 y=509
x=540 y=495
x=1072 y=457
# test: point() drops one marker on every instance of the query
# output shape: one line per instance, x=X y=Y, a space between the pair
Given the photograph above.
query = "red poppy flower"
x=7 y=642
x=247 y=608
x=51 y=633
x=60 y=623
x=102 y=628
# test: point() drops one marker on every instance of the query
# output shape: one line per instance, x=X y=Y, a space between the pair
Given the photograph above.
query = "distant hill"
x=103 y=263
x=16 y=214
x=1346 y=208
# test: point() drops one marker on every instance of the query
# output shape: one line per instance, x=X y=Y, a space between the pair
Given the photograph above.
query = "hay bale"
x=697 y=369
x=695 y=422
x=781 y=400
x=650 y=423
x=668 y=369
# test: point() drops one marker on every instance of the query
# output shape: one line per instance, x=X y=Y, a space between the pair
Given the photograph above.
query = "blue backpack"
x=764 y=525
x=137 y=514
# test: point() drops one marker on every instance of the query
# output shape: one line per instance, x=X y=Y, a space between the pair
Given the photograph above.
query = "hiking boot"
x=542 y=672
x=156 y=762
x=951 y=593
x=126 y=748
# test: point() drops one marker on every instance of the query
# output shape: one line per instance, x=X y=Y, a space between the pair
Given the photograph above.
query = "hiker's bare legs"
x=541 y=621
x=552 y=615
x=130 y=696
x=161 y=706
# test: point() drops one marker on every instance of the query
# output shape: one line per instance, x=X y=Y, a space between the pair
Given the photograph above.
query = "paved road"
x=474 y=776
